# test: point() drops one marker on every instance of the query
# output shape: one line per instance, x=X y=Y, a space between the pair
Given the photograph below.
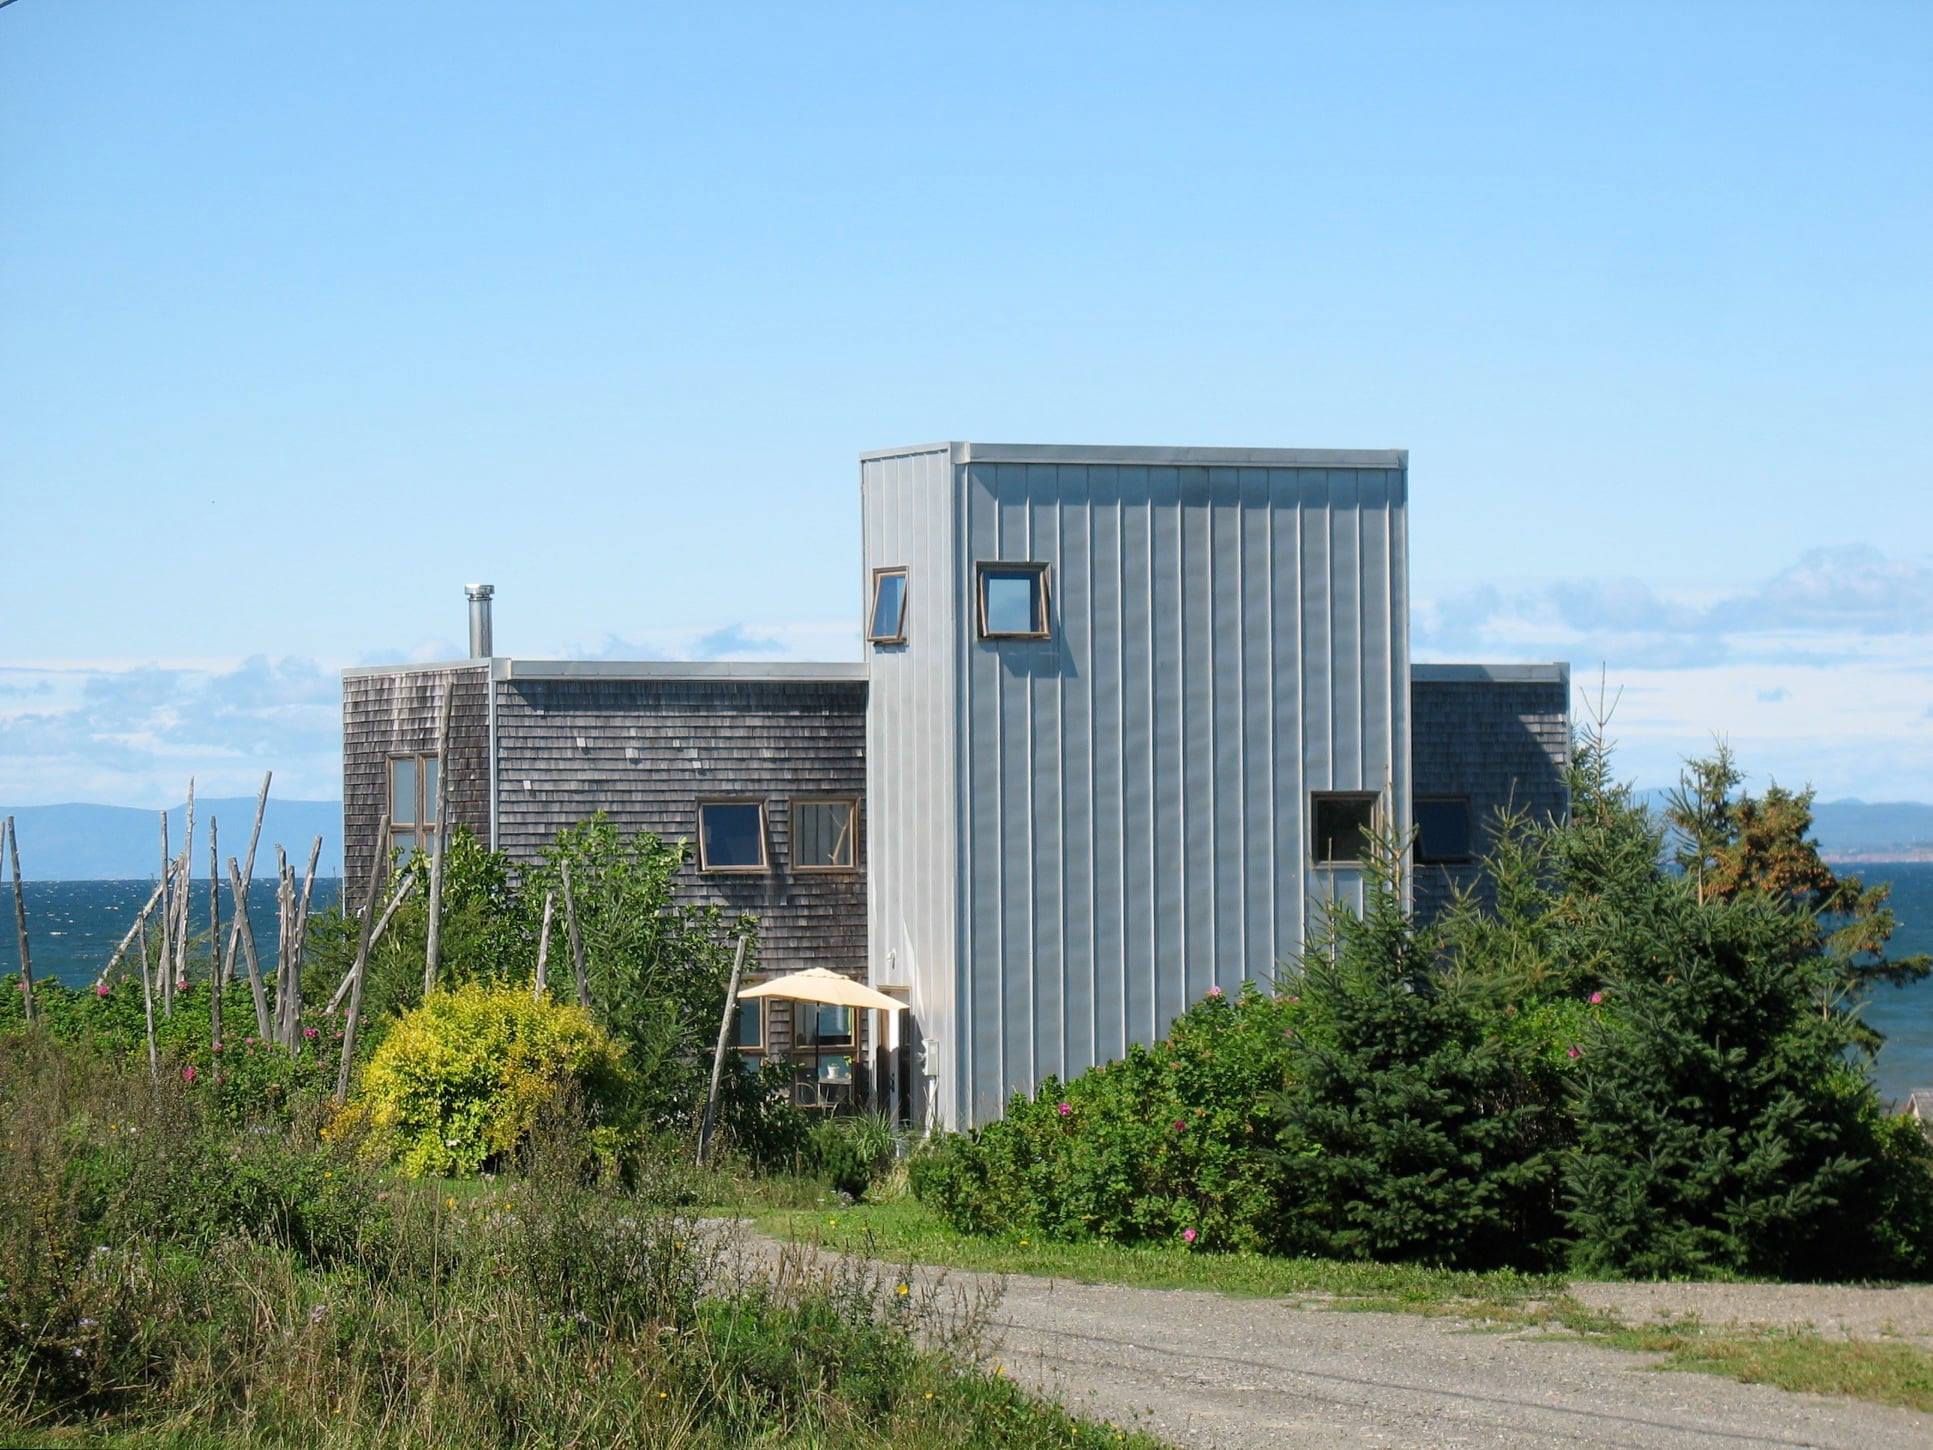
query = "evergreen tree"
x=1411 y=1137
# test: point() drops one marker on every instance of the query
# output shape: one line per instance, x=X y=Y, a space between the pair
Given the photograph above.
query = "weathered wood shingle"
x=394 y=713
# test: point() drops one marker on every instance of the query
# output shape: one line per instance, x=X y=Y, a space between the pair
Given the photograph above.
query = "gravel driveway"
x=1203 y=1369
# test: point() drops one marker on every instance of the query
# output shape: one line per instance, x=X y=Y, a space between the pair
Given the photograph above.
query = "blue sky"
x=310 y=314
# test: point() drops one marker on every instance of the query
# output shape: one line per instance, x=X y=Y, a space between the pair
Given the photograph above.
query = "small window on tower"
x=731 y=836
x=822 y=835
x=1013 y=601
x=887 y=624
x=1342 y=824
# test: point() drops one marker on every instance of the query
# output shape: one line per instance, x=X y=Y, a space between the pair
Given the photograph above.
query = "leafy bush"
x=460 y=1080
x=850 y=1153
x=1165 y=1145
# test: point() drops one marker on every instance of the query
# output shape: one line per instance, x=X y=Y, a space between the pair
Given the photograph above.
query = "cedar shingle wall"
x=395 y=714
x=1503 y=744
x=645 y=752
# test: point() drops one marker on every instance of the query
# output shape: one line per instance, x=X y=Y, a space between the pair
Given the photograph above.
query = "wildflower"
x=1215 y=991
x=902 y=1291
x=1064 y=1109
x=1188 y=1236
x=309 y=1032
x=214 y=1047
x=450 y=1203
x=929 y=1394
x=1180 y=1126
x=181 y=984
x=1597 y=999
x=188 y=1073
x=1023 y=1243
x=100 y=989
x=1572 y=1051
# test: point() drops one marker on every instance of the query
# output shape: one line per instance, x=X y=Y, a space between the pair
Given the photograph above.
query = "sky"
x=311 y=314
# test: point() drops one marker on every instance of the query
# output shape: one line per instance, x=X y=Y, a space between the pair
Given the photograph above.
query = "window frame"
x=757 y=1048
x=872 y=611
x=1316 y=797
x=764 y=865
x=422 y=826
x=851 y=803
x=1470 y=830
x=984 y=568
x=845 y=1046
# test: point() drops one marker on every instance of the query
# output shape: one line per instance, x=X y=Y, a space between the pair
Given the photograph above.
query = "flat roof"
x=1147 y=456
x=1554 y=673
x=509 y=668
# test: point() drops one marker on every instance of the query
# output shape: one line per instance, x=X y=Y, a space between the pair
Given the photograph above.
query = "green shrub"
x=1164 y=1145
x=460 y=1080
x=850 y=1153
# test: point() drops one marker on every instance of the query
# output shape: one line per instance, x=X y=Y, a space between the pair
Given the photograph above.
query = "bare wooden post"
x=284 y=924
x=357 y=972
x=718 y=1057
x=403 y=889
x=300 y=943
x=214 y=940
x=248 y=874
x=180 y=981
x=433 y=947
x=147 y=991
x=240 y=889
x=541 y=982
x=167 y=920
x=20 y=922
x=120 y=951
x=576 y=940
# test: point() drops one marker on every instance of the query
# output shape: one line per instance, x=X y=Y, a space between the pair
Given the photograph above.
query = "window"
x=412 y=801
x=1013 y=601
x=748 y=1033
x=731 y=836
x=887 y=624
x=1342 y=823
x=1443 y=833
x=819 y=1025
x=822 y=835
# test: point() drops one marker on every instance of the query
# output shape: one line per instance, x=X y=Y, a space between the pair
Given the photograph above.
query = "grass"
x=1881 y=1372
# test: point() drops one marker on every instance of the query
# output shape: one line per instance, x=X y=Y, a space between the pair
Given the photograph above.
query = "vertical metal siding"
x=907 y=512
x=1134 y=808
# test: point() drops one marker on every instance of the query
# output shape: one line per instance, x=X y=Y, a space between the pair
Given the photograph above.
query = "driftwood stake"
x=360 y=969
x=248 y=874
x=240 y=890
x=214 y=940
x=299 y=941
x=403 y=889
x=576 y=940
x=433 y=942
x=167 y=922
x=541 y=982
x=147 y=992
x=284 y=924
x=180 y=981
x=718 y=1057
x=20 y=922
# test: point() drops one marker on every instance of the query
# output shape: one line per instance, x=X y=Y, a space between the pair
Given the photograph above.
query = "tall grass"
x=166 y=1276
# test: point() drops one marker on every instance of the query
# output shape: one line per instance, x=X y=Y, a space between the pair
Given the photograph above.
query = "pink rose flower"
x=1188 y=1236
x=1180 y=1126
x=181 y=984
x=1596 y=998
x=214 y=1047
x=309 y=1032
x=1064 y=1109
x=188 y=1073
x=1573 y=1052
x=100 y=989
x=1214 y=991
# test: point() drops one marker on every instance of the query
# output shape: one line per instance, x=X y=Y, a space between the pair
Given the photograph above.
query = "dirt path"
x=1203 y=1369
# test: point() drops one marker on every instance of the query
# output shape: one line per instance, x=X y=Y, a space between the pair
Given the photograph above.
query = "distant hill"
x=102 y=843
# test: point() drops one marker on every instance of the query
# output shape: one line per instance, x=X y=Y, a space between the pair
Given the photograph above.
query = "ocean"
x=74 y=925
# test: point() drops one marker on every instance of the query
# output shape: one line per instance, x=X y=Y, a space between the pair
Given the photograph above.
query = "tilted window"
x=748 y=1032
x=823 y=834
x=1342 y=824
x=887 y=622
x=412 y=801
x=1013 y=601
x=1444 y=833
x=731 y=836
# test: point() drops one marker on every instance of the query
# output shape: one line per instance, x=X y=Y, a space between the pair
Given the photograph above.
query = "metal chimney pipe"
x=479 y=596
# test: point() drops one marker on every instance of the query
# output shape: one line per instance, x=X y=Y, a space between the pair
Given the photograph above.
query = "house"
x=1124 y=718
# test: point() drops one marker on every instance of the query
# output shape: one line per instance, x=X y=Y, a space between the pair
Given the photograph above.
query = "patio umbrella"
x=818 y=984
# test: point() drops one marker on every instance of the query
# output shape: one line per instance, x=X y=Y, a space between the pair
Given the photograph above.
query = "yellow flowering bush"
x=460 y=1081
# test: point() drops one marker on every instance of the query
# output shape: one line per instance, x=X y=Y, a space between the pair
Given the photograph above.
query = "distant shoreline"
x=1893 y=856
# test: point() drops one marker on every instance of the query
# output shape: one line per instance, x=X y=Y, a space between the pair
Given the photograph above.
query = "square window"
x=748 y=1033
x=1342 y=823
x=1443 y=830
x=1013 y=601
x=731 y=836
x=822 y=835
x=887 y=624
